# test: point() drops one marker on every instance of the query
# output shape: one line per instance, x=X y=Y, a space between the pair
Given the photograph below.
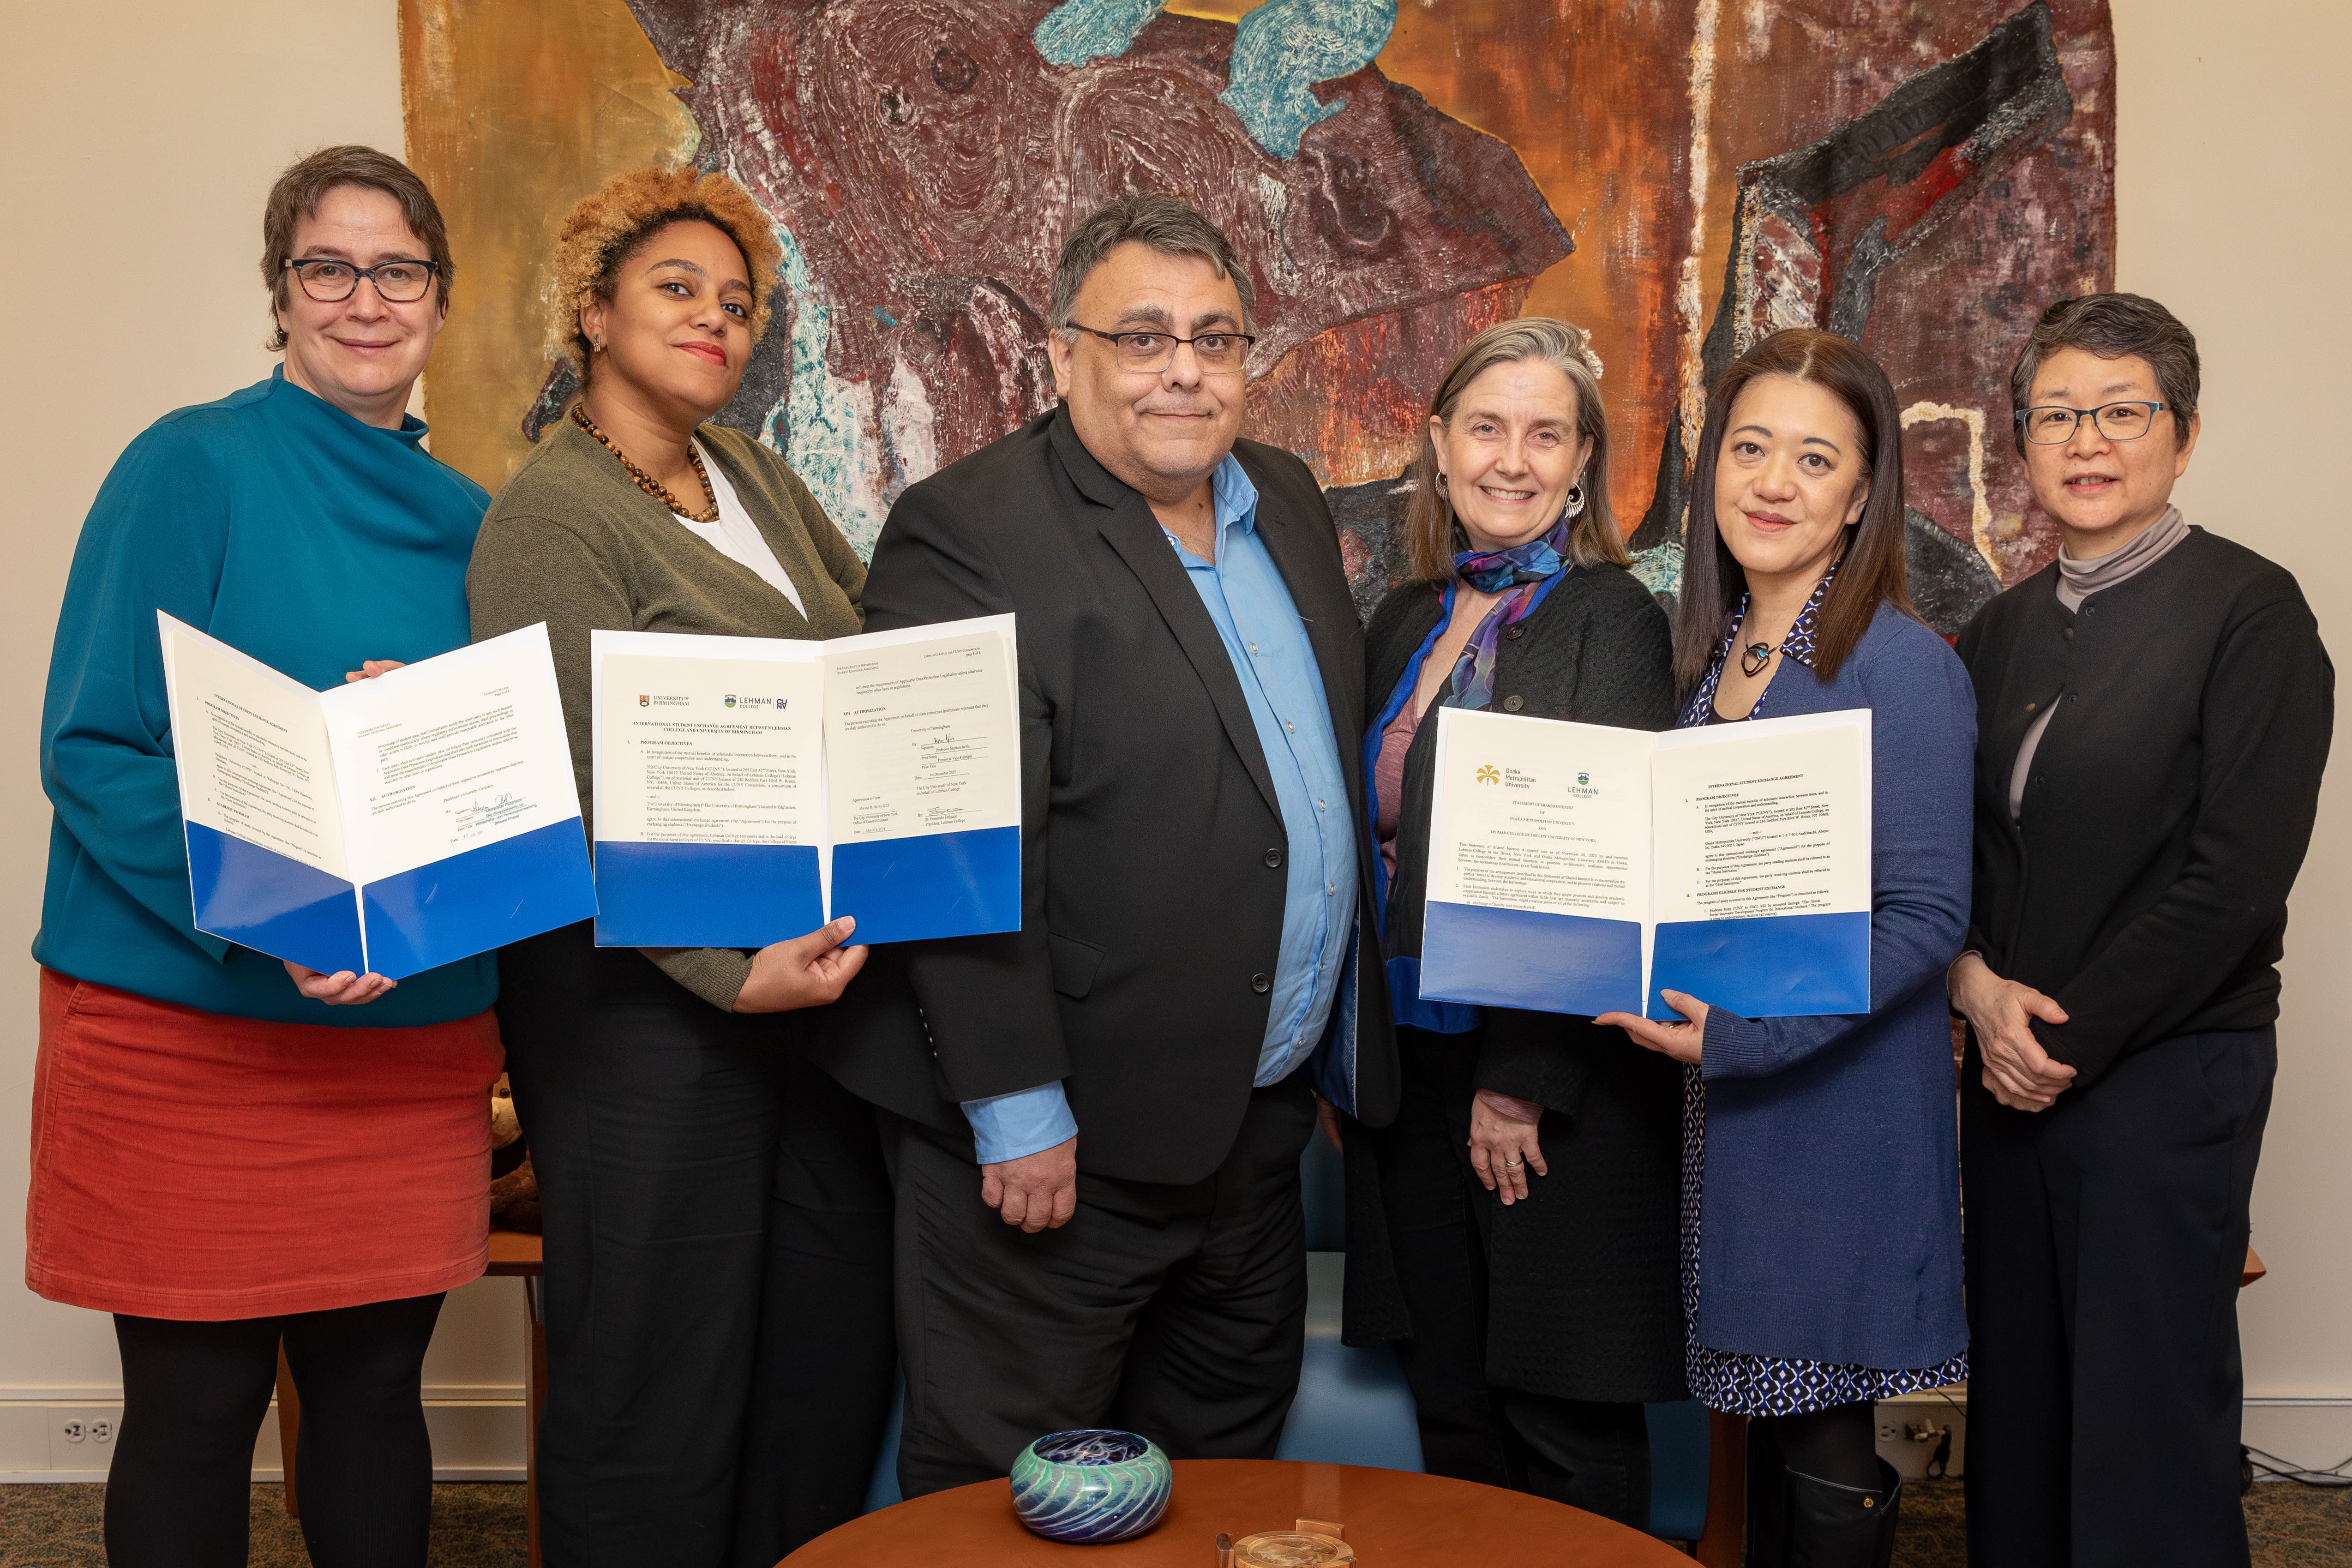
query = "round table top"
x=1392 y=1517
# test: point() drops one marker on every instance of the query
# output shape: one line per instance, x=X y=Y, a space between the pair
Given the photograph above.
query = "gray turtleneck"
x=2077 y=581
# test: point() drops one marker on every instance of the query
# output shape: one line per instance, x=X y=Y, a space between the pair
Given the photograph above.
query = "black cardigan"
x=1583 y=1293
x=1598 y=651
x=2170 y=800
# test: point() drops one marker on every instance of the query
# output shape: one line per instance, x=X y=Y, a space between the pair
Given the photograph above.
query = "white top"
x=736 y=536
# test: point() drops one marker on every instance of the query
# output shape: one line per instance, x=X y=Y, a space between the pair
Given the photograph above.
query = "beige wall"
x=137 y=140
x=148 y=131
x=2234 y=127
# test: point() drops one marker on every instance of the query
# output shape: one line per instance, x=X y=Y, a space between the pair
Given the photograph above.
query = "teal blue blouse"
x=299 y=535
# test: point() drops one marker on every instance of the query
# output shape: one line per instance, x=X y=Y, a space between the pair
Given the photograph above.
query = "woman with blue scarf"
x=1514 y=1229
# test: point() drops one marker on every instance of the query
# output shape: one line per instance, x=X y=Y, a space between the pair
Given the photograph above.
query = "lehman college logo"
x=1584 y=778
x=1490 y=774
x=730 y=700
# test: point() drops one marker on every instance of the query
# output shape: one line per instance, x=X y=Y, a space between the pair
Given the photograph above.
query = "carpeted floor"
x=481 y=1526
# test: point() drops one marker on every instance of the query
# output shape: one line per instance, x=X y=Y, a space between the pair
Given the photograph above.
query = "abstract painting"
x=1678 y=176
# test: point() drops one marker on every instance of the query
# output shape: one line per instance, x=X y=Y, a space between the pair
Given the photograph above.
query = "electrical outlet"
x=82 y=1437
x=1889 y=1432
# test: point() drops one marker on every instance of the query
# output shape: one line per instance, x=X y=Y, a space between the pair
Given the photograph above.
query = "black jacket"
x=2171 y=798
x=1583 y=1298
x=1153 y=849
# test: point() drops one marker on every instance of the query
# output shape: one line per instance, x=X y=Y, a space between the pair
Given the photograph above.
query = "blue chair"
x=1353 y=1407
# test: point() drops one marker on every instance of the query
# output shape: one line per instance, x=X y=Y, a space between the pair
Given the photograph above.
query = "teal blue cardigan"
x=294 y=533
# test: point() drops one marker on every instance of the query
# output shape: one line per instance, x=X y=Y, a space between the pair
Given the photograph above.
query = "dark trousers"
x=1177 y=1311
x=2106 y=1239
x=193 y=1396
x=717 y=1288
x=1590 y=1454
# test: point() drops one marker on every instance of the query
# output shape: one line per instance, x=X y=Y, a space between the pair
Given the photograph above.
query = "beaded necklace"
x=646 y=481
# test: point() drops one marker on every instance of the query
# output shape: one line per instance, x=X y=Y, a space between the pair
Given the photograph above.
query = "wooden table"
x=1392 y=1517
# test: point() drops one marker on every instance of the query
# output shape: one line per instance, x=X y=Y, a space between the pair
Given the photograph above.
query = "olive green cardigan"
x=573 y=541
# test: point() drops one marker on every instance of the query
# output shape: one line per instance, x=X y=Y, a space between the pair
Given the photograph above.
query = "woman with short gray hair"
x=2154 y=712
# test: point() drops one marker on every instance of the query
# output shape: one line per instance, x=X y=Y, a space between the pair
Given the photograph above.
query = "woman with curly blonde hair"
x=719 y=1350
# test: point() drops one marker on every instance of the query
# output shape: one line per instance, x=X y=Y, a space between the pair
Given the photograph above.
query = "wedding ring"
x=1511 y=1165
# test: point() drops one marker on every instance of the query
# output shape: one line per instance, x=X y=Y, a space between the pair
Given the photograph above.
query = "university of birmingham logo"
x=643 y=701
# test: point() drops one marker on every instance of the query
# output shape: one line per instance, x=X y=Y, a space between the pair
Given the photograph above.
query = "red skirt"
x=191 y=1165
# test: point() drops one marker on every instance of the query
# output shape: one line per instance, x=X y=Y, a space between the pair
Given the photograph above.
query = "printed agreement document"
x=749 y=789
x=1580 y=868
x=388 y=825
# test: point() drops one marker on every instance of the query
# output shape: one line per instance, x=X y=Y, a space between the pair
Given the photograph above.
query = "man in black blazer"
x=1098 y=1208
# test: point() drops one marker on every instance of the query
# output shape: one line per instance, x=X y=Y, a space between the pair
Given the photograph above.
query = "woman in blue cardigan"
x=1820 y=1197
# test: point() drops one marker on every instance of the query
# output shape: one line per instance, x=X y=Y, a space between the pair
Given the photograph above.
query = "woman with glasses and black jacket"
x=2154 y=710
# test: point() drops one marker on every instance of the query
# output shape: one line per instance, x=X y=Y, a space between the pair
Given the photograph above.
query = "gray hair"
x=1170 y=227
x=2112 y=326
x=1541 y=340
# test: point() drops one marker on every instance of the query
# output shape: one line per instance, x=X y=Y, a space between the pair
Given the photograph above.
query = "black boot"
x=1831 y=1526
x=1767 y=1500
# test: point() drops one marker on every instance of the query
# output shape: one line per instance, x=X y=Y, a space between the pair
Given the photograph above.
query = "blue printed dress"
x=1751 y=1381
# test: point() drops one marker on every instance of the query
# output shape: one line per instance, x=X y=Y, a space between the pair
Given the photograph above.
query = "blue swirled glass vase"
x=1091 y=1485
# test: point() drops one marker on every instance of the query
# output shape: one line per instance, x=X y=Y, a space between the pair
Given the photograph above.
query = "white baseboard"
x=478 y=1435
x=477 y=1432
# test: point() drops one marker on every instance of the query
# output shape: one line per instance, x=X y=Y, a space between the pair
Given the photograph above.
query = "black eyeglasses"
x=327 y=280
x=2051 y=425
x=1220 y=353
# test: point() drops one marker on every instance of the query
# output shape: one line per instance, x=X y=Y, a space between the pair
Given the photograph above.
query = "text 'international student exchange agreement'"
x=388 y=825
x=1580 y=868
x=748 y=788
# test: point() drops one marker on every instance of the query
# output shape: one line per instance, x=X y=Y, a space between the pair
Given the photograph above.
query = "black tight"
x=194 y=1396
x=1838 y=1444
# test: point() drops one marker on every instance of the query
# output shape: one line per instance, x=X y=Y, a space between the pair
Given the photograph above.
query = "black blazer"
x=1153 y=849
x=2171 y=799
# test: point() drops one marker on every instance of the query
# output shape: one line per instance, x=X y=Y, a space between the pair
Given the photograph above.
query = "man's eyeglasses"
x=2051 y=426
x=1220 y=353
x=327 y=280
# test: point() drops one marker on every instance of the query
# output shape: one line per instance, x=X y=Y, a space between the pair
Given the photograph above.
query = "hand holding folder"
x=1585 y=869
x=387 y=827
x=750 y=789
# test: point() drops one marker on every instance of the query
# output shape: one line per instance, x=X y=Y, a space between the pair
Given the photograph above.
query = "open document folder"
x=387 y=825
x=1579 y=868
x=749 y=789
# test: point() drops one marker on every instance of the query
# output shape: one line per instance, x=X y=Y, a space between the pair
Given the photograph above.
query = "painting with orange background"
x=1676 y=176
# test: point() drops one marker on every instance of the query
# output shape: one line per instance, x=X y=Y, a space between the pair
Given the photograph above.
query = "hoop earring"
x=1440 y=482
x=1575 y=501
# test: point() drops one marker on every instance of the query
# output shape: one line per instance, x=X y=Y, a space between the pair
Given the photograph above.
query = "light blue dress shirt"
x=1258 y=622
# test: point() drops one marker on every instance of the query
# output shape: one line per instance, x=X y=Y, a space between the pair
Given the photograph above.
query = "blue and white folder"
x=388 y=826
x=1586 y=869
x=750 y=789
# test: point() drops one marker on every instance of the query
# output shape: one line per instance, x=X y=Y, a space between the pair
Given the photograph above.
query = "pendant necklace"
x=1754 y=658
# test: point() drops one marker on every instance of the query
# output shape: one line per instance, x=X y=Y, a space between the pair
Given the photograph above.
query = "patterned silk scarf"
x=1534 y=564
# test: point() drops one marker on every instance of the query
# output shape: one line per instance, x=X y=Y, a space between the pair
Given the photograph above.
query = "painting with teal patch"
x=922 y=159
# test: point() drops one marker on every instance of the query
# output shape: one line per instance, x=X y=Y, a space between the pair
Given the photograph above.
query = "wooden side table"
x=1392 y=1518
x=512 y=1253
